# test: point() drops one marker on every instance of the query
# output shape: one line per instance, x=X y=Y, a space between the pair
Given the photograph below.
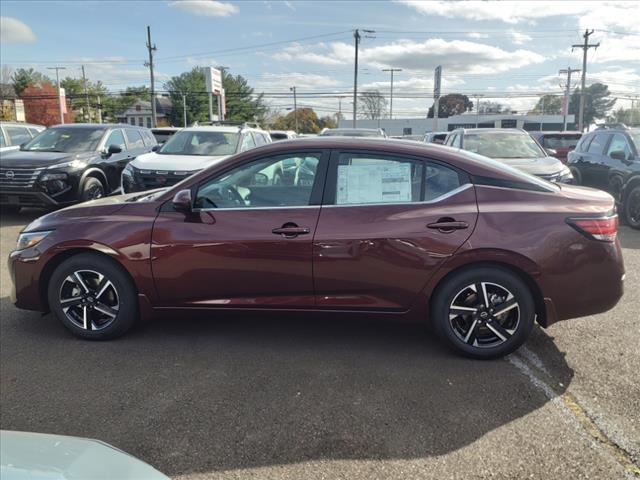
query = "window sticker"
x=375 y=183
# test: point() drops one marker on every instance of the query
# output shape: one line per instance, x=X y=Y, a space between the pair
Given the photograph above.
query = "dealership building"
x=419 y=126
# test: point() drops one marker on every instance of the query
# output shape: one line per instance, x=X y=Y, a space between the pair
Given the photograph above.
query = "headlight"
x=565 y=175
x=128 y=170
x=71 y=164
x=53 y=176
x=30 y=239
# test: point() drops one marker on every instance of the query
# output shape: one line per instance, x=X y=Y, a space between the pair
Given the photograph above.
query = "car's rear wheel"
x=92 y=189
x=93 y=297
x=483 y=312
x=577 y=176
x=632 y=208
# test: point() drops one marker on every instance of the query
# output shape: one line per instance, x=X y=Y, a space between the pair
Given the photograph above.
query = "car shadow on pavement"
x=629 y=238
x=196 y=395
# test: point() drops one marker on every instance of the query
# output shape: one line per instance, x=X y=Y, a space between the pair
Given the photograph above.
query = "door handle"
x=448 y=225
x=290 y=232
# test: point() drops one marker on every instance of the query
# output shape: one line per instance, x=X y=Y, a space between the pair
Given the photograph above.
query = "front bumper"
x=28 y=198
x=25 y=268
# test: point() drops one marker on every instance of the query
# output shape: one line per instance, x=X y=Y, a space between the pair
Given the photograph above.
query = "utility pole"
x=542 y=112
x=356 y=36
x=391 y=96
x=295 y=106
x=86 y=95
x=184 y=109
x=99 y=110
x=477 y=109
x=585 y=47
x=151 y=48
x=567 y=93
x=59 y=96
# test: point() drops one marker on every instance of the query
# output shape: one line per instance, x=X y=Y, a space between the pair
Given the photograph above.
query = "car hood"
x=155 y=161
x=27 y=455
x=534 y=165
x=21 y=158
x=96 y=210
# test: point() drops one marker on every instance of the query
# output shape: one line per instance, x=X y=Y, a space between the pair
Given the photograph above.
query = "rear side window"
x=370 y=179
x=134 y=138
x=439 y=180
x=619 y=144
x=457 y=141
x=247 y=142
x=18 y=135
x=598 y=143
x=148 y=137
x=259 y=139
x=2 y=142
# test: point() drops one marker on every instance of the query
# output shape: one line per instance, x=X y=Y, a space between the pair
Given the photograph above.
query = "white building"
x=419 y=126
x=140 y=113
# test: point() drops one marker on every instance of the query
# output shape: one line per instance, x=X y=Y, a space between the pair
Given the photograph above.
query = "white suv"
x=187 y=152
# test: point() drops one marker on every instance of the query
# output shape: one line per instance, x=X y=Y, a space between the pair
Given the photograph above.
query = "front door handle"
x=448 y=226
x=290 y=231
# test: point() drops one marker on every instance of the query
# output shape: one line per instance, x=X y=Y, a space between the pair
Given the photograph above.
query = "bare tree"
x=372 y=105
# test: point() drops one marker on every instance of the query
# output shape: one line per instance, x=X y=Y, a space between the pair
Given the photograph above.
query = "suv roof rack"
x=604 y=126
x=227 y=123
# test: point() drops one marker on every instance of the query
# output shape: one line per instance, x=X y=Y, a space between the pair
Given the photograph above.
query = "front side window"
x=201 y=142
x=503 y=145
x=116 y=138
x=66 y=139
x=134 y=138
x=2 y=142
x=263 y=183
x=18 y=135
x=597 y=144
x=367 y=179
x=619 y=144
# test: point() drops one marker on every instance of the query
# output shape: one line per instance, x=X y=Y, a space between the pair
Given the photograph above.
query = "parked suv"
x=559 y=142
x=609 y=158
x=512 y=146
x=189 y=151
x=14 y=134
x=70 y=163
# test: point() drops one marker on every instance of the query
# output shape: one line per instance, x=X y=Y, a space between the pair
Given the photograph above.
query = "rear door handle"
x=448 y=226
x=290 y=232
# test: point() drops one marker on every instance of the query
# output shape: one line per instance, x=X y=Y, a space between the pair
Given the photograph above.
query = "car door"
x=386 y=225
x=595 y=170
x=617 y=166
x=247 y=242
x=113 y=164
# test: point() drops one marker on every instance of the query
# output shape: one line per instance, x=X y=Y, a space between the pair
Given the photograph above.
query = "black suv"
x=609 y=159
x=70 y=163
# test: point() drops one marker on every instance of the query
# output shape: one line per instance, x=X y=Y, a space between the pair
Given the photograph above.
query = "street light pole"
x=59 y=95
x=295 y=106
x=184 y=109
x=391 y=96
x=567 y=92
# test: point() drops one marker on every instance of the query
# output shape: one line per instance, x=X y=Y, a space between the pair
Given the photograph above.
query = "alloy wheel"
x=95 y=192
x=89 y=300
x=484 y=315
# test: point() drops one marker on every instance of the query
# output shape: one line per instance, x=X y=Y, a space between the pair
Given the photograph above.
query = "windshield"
x=503 y=145
x=561 y=141
x=201 y=143
x=68 y=140
x=351 y=133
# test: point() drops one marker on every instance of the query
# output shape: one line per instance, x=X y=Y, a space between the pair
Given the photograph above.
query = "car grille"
x=149 y=179
x=18 y=177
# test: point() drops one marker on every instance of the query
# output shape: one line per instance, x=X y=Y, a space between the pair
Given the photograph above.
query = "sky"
x=503 y=51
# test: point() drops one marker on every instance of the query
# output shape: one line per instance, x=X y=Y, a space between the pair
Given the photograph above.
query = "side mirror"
x=552 y=152
x=155 y=148
x=113 y=149
x=182 y=201
x=260 y=179
x=618 y=155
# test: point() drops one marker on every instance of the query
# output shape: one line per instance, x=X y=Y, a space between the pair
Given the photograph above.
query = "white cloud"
x=201 y=62
x=614 y=49
x=519 y=38
x=334 y=54
x=205 y=8
x=414 y=84
x=477 y=35
x=592 y=14
x=276 y=81
x=13 y=30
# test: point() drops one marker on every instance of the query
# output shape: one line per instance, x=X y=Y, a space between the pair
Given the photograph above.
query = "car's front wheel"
x=93 y=297
x=632 y=208
x=483 y=312
x=92 y=189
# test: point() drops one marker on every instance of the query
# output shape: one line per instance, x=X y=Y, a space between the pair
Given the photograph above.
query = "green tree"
x=242 y=104
x=550 y=104
x=308 y=121
x=597 y=103
x=23 y=77
x=452 y=104
x=328 y=121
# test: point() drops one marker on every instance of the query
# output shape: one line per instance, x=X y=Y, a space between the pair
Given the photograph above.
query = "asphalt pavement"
x=305 y=397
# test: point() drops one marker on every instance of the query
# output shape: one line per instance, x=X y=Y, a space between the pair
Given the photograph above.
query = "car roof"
x=103 y=126
x=490 y=130
x=353 y=130
x=22 y=124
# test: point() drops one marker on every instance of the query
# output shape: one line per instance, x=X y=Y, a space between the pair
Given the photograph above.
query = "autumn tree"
x=41 y=105
x=372 y=105
x=308 y=121
x=452 y=104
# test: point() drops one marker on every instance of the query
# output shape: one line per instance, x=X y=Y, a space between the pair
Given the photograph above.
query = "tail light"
x=603 y=229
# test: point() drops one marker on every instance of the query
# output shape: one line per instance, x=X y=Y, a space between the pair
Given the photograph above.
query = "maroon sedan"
x=360 y=225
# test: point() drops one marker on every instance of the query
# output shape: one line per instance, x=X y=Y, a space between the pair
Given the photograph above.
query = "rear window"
x=560 y=141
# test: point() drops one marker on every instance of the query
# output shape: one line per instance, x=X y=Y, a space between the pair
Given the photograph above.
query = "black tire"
x=92 y=189
x=514 y=325
x=122 y=314
x=631 y=208
x=577 y=176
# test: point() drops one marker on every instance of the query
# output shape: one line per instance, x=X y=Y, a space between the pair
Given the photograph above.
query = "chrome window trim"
x=212 y=209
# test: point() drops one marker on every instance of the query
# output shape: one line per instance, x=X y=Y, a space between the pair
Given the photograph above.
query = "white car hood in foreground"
x=26 y=456
x=176 y=163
